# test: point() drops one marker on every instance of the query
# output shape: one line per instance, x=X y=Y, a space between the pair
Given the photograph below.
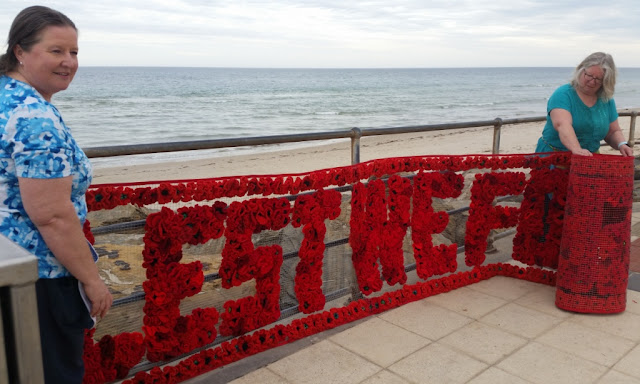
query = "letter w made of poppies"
x=379 y=224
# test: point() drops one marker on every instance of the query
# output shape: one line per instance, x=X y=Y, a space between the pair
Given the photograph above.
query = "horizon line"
x=322 y=68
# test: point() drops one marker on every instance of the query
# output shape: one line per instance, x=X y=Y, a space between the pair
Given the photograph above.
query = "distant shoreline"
x=328 y=68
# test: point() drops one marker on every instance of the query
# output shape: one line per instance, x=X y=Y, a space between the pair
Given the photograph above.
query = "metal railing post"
x=21 y=353
x=356 y=134
x=497 y=128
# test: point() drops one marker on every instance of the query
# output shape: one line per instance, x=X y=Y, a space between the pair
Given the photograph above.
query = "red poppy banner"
x=388 y=198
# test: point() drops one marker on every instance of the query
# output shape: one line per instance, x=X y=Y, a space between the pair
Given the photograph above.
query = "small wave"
x=470 y=105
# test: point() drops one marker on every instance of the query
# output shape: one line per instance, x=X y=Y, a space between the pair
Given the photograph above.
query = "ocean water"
x=107 y=106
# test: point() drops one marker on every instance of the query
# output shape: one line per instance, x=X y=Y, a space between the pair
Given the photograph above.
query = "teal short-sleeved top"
x=591 y=124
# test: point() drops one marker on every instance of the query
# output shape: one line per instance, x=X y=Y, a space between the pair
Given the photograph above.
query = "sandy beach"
x=515 y=138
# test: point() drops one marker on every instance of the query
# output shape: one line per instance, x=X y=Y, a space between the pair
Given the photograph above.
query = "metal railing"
x=355 y=134
x=20 y=354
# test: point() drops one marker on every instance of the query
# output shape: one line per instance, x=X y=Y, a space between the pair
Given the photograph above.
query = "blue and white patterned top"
x=35 y=143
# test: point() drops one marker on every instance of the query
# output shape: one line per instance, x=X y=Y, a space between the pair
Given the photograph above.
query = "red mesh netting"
x=593 y=267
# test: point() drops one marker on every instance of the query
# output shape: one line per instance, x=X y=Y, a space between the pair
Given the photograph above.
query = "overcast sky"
x=347 y=34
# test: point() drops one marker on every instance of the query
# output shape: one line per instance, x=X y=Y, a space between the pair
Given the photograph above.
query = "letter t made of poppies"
x=310 y=211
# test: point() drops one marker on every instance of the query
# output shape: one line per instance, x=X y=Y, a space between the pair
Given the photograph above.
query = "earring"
x=21 y=63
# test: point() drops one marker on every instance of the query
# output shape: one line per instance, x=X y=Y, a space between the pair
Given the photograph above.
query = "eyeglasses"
x=589 y=77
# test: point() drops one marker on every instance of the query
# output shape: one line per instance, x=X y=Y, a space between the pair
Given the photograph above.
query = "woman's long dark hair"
x=25 y=31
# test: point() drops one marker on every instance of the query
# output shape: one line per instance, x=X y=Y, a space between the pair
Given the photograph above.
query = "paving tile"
x=521 y=321
x=541 y=364
x=625 y=324
x=497 y=376
x=467 y=302
x=543 y=299
x=630 y=364
x=506 y=288
x=426 y=319
x=615 y=377
x=588 y=343
x=385 y=377
x=324 y=362
x=633 y=302
x=380 y=342
x=437 y=363
x=263 y=376
x=483 y=342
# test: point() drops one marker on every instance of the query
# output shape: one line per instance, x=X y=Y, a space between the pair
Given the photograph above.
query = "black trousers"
x=63 y=318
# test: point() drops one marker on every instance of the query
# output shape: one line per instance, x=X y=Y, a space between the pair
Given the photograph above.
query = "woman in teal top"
x=582 y=113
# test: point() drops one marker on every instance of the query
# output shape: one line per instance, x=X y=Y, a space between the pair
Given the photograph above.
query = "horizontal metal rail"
x=354 y=134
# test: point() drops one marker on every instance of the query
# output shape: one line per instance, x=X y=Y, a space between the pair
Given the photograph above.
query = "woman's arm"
x=48 y=204
x=563 y=123
x=615 y=137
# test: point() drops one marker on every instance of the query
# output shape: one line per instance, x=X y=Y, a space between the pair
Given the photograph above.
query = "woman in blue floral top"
x=43 y=178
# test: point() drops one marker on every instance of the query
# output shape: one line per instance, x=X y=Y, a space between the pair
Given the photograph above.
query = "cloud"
x=329 y=33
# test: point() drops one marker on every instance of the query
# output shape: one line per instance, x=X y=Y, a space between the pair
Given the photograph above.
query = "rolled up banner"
x=593 y=265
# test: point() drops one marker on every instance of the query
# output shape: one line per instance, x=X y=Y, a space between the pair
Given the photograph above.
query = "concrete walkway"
x=501 y=330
